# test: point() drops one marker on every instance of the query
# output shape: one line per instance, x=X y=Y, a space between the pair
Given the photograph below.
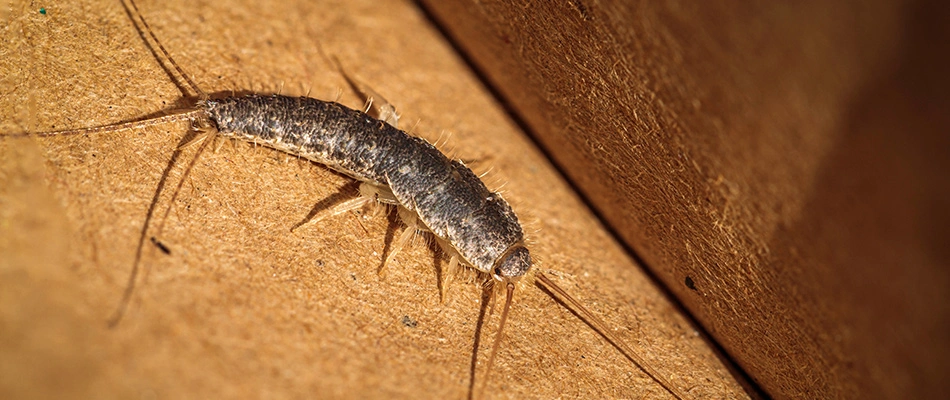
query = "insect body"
x=446 y=197
x=449 y=199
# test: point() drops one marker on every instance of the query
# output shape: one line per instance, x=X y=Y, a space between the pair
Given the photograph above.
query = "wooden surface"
x=242 y=307
x=780 y=166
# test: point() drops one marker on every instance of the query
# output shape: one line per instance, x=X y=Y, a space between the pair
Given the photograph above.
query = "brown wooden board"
x=241 y=307
x=780 y=166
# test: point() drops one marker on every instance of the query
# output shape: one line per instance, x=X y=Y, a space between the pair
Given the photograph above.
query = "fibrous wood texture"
x=781 y=167
x=243 y=308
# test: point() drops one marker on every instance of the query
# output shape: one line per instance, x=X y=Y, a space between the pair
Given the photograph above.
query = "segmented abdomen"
x=449 y=198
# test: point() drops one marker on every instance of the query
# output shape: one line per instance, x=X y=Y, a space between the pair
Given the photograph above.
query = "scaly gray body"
x=450 y=200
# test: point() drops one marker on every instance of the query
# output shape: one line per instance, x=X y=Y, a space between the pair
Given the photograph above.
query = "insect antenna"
x=180 y=115
x=133 y=11
x=145 y=32
x=559 y=294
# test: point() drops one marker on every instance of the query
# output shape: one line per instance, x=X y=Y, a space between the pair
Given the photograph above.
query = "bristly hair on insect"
x=474 y=226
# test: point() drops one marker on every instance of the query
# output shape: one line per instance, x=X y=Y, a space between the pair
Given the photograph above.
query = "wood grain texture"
x=780 y=167
x=241 y=307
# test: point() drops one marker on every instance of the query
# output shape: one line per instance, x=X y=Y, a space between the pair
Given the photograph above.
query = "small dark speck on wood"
x=690 y=284
x=161 y=246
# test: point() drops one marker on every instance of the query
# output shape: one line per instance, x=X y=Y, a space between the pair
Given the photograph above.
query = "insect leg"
x=383 y=109
x=349 y=205
x=404 y=237
x=379 y=193
x=449 y=274
x=412 y=225
x=334 y=205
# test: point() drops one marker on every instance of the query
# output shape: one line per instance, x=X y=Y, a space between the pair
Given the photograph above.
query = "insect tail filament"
x=510 y=290
x=132 y=15
x=182 y=115
x=133 y=276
